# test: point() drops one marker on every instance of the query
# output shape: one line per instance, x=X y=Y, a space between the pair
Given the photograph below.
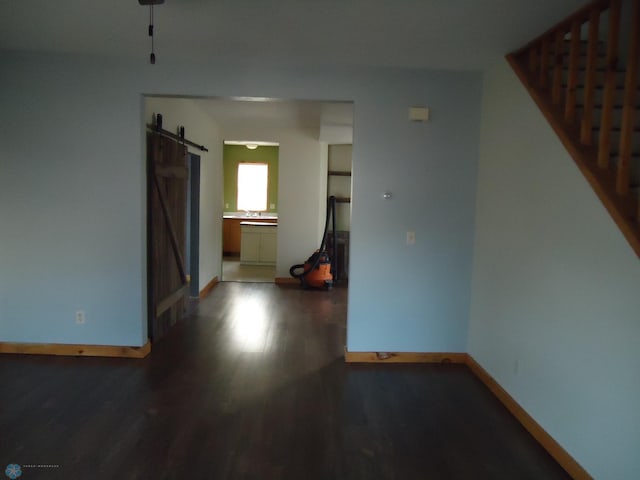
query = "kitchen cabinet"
x=258 y=243
x=231 y=236
x=231 y=233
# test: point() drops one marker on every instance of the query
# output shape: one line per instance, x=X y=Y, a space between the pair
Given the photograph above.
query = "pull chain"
x=152 y=57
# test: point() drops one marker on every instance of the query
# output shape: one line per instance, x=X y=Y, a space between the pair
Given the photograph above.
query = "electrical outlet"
x=411 y=237
x=226 y=205
x=272 y=206
x=80 y=317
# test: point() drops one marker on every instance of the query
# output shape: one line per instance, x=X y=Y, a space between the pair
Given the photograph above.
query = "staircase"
x=583 y=75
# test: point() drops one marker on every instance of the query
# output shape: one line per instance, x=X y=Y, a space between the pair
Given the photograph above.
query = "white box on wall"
x=419 y=114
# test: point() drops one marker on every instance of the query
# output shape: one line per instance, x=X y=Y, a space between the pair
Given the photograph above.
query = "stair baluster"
x=586 y=132
x=623 y=179
x=608 y=99
x=556 y=90
x=572 y=82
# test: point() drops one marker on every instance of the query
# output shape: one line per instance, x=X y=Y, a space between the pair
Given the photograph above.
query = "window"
x=252 y=186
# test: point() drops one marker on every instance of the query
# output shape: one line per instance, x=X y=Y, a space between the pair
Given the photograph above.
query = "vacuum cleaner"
x=318 y=271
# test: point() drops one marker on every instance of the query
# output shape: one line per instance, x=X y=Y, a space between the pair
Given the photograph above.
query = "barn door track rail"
x=157 y=127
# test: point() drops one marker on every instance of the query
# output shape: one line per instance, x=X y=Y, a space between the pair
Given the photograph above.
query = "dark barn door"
x=167 y=176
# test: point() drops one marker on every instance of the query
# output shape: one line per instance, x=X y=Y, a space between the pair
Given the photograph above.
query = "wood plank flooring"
x=253 y=386
x=233 y=271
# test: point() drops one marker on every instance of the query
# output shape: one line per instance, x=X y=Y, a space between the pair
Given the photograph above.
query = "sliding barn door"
x=167 y=176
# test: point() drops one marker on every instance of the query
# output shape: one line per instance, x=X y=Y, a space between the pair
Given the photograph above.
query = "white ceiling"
x=458 y=34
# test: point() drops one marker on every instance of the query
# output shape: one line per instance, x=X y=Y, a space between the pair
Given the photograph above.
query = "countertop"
x=242 y=216
x=258 y=224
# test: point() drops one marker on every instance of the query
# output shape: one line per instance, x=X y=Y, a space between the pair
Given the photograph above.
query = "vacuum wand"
x=317 y=270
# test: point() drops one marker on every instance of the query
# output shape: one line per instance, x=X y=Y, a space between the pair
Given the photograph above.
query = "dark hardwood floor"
x=253 y=386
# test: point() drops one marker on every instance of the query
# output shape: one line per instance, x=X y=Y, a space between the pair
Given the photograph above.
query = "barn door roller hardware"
x=157 y=127
x=151 y=3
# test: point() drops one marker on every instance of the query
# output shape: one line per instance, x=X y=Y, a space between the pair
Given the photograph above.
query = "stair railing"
x=589 y=96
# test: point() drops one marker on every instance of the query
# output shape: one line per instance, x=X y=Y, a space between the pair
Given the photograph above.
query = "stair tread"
x=633 y=154
x=600 y=87
x=604 y=69
x=600 y=69
x=566 y=53
x=616 y=129
x=568 y=40
x=599 y=106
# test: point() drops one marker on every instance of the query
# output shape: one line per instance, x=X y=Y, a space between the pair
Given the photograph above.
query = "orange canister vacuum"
x=317 y=271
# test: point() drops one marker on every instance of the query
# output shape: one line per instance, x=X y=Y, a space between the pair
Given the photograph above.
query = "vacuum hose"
x=321 y=253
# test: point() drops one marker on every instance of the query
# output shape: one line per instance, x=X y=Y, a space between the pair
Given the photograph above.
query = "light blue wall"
x=71 y=204
x=72 y=194
x=554 y=314
x=413 y=298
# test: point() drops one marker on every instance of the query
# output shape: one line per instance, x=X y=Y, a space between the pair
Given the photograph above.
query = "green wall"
x=233 y=155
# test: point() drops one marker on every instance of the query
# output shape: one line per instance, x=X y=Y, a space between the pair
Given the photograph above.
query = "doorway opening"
x=250 y=216
x=308 y=135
